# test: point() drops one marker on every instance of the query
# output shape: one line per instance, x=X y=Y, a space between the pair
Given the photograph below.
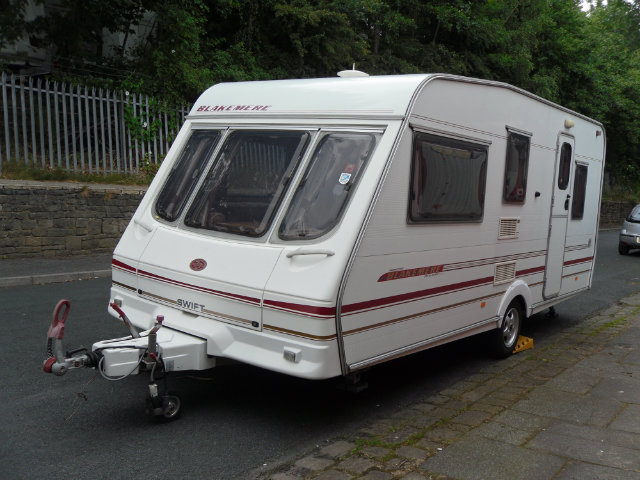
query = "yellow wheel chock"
x=523 y=343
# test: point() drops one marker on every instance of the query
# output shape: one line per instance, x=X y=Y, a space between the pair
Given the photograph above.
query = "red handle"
x=56 y=330
x=115 y=306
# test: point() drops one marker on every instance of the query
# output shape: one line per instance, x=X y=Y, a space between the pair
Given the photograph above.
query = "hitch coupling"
x=57 y=361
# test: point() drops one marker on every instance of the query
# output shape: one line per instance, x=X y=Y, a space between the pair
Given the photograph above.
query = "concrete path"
x=567 y=411
x=41 y=270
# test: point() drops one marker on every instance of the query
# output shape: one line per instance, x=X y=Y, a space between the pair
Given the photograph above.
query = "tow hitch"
x=57 y=362
x=119 y=358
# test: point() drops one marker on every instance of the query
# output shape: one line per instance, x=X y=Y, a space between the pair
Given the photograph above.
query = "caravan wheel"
x=506 y=337
x=170 y=407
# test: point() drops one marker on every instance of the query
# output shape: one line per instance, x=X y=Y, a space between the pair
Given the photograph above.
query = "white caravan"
x=318 y=227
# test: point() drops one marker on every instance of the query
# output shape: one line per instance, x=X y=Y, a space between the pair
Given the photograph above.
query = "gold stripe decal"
x=203 y=310
x=125 y=286
x=299 y=334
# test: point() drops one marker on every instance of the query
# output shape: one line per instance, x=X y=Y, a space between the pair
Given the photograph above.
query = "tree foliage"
x=586 y=60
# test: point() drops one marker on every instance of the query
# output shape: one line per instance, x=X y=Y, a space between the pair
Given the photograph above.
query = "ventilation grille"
x=509 y=228
x=505 y=272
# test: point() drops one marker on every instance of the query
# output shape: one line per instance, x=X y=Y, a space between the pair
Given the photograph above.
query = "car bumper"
x=630 y=239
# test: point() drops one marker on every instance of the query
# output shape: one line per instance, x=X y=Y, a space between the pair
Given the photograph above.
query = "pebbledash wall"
x=55 y=219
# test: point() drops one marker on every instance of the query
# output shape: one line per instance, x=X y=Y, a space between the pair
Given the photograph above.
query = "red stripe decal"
x=578 y=260
x=407 y=297
x=529 y=271
x=123 y=266
x=306 y=309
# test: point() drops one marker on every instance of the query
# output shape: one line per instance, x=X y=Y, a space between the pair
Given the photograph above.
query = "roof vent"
x=352 y=73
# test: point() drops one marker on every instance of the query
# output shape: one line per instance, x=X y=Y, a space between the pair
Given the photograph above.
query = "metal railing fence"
x=81 y=129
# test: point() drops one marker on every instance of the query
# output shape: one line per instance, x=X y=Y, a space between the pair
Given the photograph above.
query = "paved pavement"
x=40 y=270
x=567 y=410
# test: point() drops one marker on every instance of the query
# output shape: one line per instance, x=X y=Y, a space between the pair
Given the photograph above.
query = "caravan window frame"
x=516 y=162
x=170 y=210
x=564 y=167
x=416 y=215
x=344 y=184
x=579 y=190
x=221 y=224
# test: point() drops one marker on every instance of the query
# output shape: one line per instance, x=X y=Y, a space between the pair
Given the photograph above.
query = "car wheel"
x=623 y=249
x=506 y=336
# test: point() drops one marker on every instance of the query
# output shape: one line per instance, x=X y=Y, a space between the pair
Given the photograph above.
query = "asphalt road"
x=235 y=419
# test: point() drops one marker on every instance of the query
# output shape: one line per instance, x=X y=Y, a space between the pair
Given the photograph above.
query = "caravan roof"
x=381 y=97
x=386 y=96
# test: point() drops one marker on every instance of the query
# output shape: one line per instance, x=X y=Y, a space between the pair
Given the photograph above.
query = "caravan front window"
x=327 y=185
x=185 y=173
x=244 y=186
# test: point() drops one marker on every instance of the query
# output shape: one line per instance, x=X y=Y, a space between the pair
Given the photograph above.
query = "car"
x=630 y=233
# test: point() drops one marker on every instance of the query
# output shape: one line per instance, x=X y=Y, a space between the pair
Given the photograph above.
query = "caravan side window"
x=579 y=191
x=516 y=167
x=448 y=180
x=185 y=173
x=564 y=171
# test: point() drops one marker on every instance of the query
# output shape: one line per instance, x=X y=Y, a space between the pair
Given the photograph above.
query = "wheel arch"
x=520 y=291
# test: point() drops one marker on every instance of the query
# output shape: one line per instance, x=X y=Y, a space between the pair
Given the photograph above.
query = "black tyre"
x=170 y=407
x=623 y=249
x=505 y=338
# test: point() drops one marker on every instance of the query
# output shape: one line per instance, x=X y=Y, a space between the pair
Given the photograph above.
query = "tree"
x=171 y=57
x=12 y=21
x=76 y=29
x=587 y=61
x=613 y=95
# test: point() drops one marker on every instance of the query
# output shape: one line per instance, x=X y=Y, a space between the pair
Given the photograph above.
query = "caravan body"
x=317 y=227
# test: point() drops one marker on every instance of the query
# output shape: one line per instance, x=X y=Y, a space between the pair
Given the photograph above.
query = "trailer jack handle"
x=57 y=362
x=132 y=330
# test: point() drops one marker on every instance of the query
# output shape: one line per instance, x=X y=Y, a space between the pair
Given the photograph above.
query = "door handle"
x=566 y=202
x=304 y=251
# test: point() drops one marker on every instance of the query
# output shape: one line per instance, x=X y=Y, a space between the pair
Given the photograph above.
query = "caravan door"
x=561 y=202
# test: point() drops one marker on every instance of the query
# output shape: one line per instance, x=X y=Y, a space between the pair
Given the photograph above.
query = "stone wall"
x=613 y=213
x=53 y=219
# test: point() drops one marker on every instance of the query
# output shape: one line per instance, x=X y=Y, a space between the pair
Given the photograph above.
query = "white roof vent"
x=352 y=73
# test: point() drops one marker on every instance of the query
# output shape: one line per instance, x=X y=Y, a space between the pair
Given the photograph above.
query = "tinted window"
x=579 y=191
x=564 y=170
x=185 y=173
x=447 y=180
x=327 y=185
x=245 y=184
x=634 y=216
x=517 y=164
